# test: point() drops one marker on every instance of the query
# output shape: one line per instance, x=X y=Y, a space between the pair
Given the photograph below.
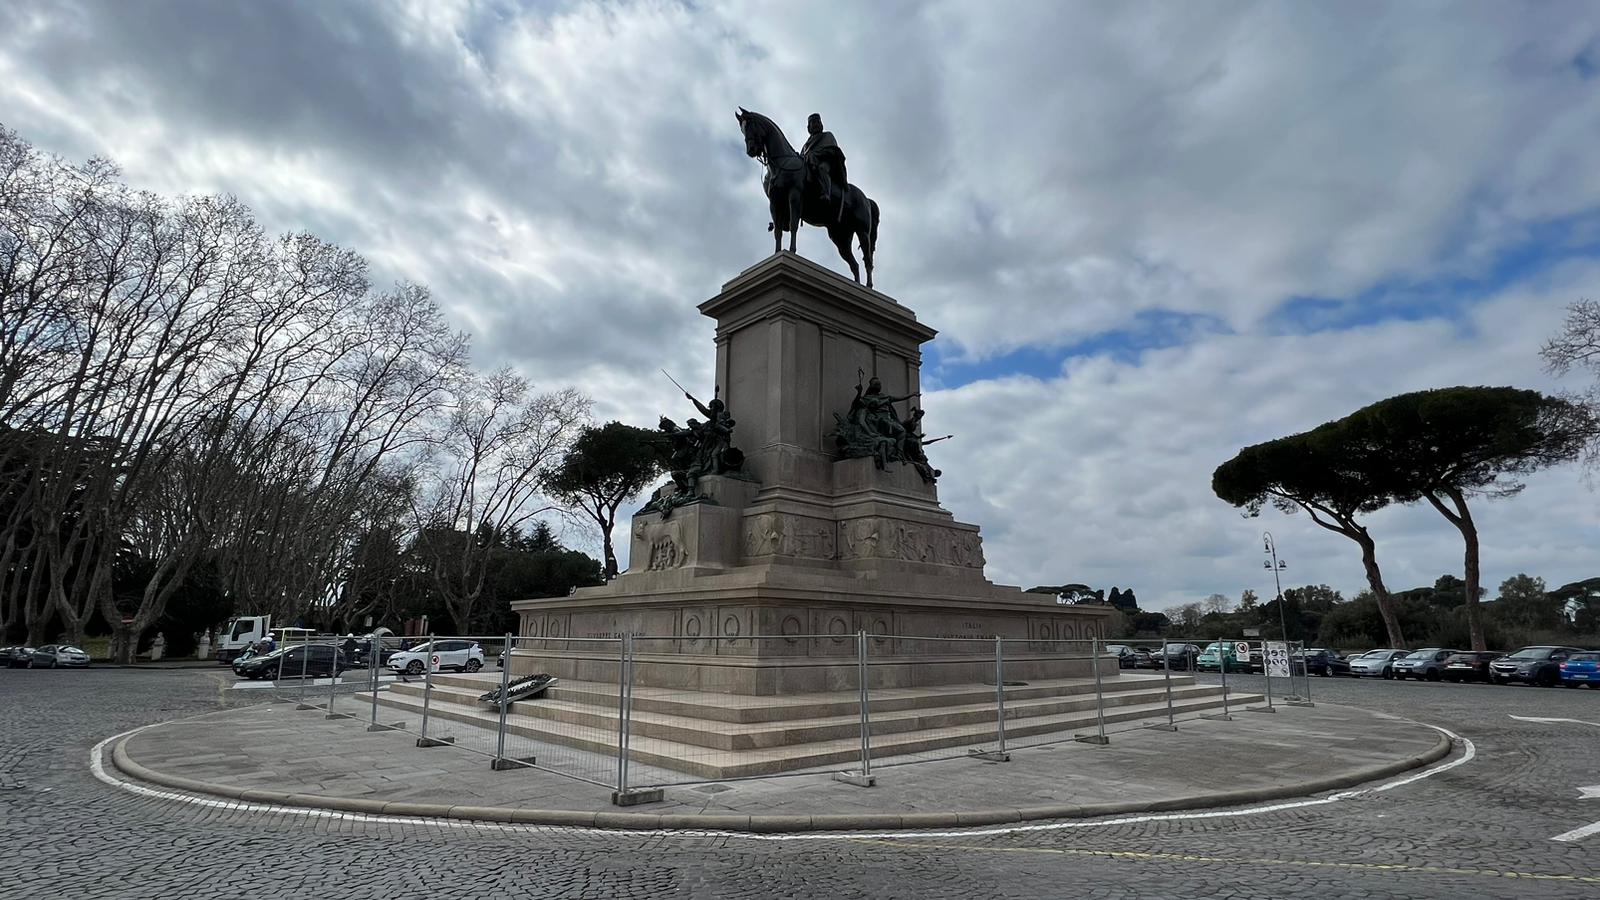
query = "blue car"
x=1581 y=669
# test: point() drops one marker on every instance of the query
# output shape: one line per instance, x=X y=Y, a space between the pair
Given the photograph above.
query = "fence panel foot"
x=856 y=778
x=1161 y=726
x=436 y=742
x=1262 y=709
x=506 y=763
x=989 y=755
x=1093 y=739
x=1220 y=717
x=636 y=796
x=1299 y=703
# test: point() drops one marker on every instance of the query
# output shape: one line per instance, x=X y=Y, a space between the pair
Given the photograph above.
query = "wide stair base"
x=719 y=736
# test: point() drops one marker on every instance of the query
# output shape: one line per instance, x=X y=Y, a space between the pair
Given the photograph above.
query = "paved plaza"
x=1481 y=828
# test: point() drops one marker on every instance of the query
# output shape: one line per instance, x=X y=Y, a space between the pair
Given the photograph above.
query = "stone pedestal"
x=762 y=588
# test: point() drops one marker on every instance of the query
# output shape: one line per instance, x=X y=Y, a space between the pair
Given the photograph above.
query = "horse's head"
x=755 y=138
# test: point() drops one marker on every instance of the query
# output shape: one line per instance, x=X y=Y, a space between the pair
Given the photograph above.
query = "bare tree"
x=484 y=479
x=175 y=384
x=1577 y=346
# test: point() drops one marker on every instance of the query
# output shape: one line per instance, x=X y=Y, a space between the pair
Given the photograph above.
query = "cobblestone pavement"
x=1481 y=829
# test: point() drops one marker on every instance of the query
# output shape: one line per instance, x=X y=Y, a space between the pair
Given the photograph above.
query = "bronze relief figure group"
x=873 y=429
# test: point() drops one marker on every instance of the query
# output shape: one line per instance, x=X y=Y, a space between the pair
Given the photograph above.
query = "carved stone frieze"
x=777 y=534
x=879 y=538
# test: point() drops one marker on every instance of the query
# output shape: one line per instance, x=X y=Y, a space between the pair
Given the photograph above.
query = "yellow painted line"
x=1241 y=860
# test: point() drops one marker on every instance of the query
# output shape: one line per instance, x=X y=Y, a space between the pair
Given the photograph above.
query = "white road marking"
x=1552 y=721
x=1578 y=834
x=1584 y=793
x=100 y=772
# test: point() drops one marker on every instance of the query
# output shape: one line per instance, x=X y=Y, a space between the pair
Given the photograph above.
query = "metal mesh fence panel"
x=931 y=698
x=1049 y=691
x=564 y=711
x=643 y=711
x=685 y=725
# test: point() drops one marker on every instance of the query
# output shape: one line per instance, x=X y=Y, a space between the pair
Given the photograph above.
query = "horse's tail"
x=872 y=230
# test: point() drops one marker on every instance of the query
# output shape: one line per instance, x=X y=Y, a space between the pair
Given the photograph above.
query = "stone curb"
x=778 y=823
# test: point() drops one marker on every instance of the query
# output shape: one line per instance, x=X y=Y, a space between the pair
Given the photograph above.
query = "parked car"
x=16 y=657
x=1143 y=658
x=1217 y=656
x=1321 y=661
x=1534 y=665
x=1376 y=663
x=1425 y=664
x=1582 y=670
x=315 y=660
x=1179 y=657
x=52 y=656
x=384 y=646
x=1470 y=665
x=461 y=655
x=1123 y=653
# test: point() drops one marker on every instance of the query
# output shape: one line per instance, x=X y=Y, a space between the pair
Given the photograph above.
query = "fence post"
x=1166 y=668
x=863 y=778
x=1266 y=678
x=305 y=657
x=622 y=714
x=1222 y=666
x=1000 y=692
x=624 y=795
x=427 y=698
x=333 y=683
x=1305 y=699
x=373 y=668
x=500 y=762
x=1099 y=737
x=998 y=754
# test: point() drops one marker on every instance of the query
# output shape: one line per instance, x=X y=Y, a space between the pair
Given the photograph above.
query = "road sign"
x=1242 y=650
x=1277 y=653
x=436 y=662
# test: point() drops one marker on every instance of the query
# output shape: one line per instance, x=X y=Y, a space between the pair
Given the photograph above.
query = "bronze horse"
x=794 y=196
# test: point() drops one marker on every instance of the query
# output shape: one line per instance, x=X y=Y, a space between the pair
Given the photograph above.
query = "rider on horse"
x=826 y=162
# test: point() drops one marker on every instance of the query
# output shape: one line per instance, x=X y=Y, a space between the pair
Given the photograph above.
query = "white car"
x=1376 y=663
x=463 y=656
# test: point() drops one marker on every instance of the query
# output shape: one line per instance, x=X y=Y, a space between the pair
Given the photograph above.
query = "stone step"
x=753 y=708
x=705 y=762
x=716 y=734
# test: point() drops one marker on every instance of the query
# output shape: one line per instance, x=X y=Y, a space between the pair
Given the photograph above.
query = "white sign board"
x=1277 y=659
x=1241 y=650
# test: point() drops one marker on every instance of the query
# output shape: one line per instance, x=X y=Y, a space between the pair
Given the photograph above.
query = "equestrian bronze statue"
x=811 y=187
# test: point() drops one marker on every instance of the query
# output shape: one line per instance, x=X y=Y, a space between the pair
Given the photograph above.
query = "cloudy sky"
x=1148 y=233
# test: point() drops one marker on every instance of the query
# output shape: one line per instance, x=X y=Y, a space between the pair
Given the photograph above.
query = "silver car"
x=1376 y=663
x=52 y=656
x=1426 y=664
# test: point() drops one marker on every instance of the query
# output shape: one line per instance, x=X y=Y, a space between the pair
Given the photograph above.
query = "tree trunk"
x=1369 y=562
x=1461 y=518
x=611 y=553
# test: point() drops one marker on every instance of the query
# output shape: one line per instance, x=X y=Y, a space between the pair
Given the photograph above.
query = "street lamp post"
x=1276 y=565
